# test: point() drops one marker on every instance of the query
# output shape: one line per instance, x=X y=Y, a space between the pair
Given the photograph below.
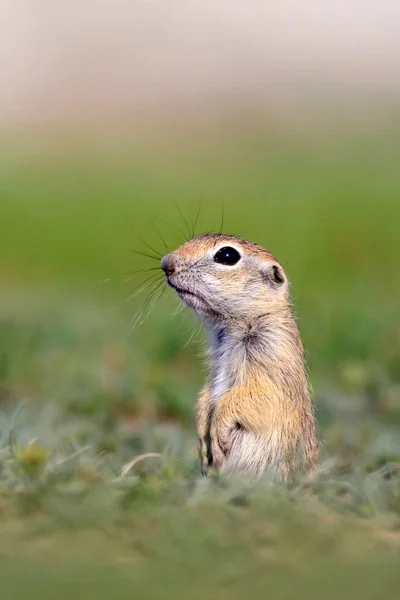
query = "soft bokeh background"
x=115 y=118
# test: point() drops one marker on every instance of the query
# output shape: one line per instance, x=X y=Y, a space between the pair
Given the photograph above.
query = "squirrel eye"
x=227 y=256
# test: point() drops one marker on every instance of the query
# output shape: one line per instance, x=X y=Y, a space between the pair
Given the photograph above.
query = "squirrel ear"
x=274 y=276
x=277 y=275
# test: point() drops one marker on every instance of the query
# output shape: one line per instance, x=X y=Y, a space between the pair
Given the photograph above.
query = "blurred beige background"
x=106 y=60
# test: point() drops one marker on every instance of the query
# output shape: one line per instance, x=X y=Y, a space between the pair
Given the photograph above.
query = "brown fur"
x=254 y=411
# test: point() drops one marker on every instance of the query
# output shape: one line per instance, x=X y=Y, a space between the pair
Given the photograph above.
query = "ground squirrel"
x=254 y=411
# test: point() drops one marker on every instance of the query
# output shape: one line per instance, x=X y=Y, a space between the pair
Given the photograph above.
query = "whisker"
x=197 y=262
x=137 y=317
x=197 y=218
x=153 y=304
x=134 y=321
x=287 y=262
x=117 y=279
x=174 y=227
x=153 y=276
x=178 y=309
x=142 y=271
x=139 y=312
x=159 y=233
x=195 y=331
x=150 y=248
x=127 y=279
x=151 y=294
x=145 y=254
x=141 y=289
x=185 y=221
x=157 y=283
x=221 y=227
x=208 y=287
x=145 y=284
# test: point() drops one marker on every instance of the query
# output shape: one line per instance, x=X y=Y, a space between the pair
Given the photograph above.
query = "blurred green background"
x=324 y=201
x=119 y=131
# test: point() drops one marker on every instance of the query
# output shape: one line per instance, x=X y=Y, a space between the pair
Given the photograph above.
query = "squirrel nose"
x=168 y=265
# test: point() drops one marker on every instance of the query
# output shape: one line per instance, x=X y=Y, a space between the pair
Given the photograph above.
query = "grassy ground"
x=76 y=516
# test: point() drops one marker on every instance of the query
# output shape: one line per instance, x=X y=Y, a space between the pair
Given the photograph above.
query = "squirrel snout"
x=168 y=265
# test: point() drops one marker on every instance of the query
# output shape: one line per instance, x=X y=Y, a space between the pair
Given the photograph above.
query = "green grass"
x=94 y=396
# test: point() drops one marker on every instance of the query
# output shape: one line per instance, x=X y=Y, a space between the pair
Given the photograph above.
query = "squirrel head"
x=225 y=277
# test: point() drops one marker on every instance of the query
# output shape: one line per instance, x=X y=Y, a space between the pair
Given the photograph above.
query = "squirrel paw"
x=204 y=454
x=220 y=446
